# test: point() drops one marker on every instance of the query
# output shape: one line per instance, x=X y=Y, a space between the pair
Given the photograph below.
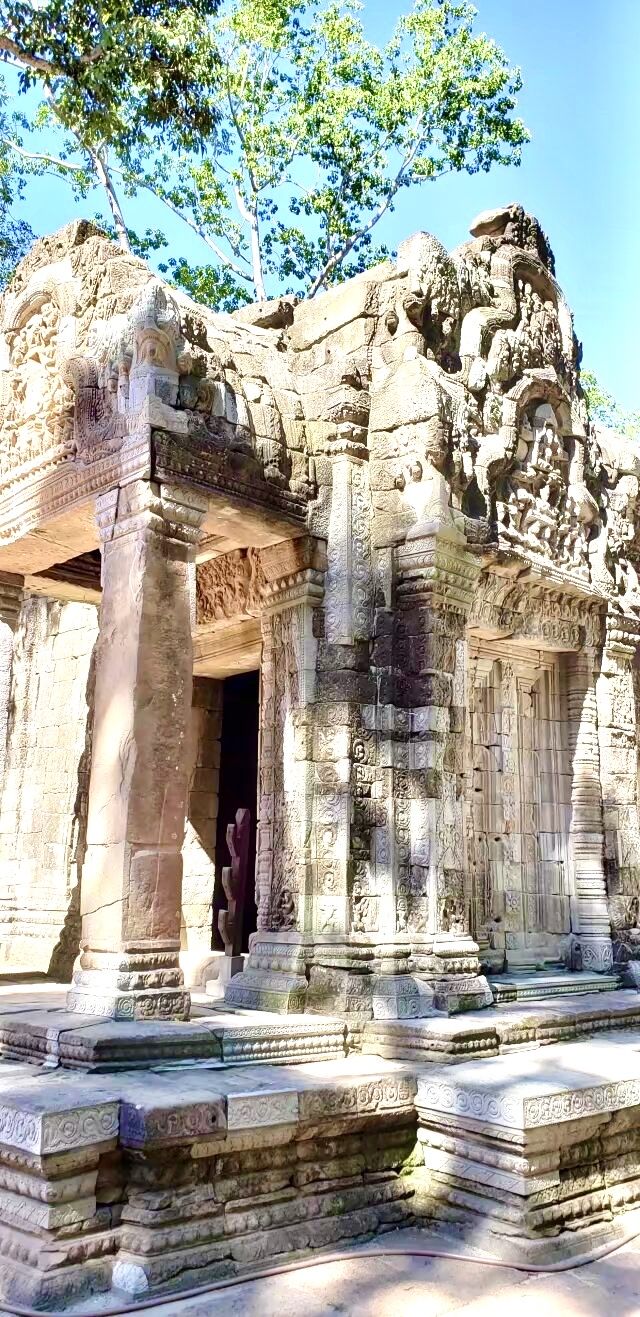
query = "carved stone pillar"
x=274 y=975
x=131 y=883
x=618 y=703
x=435 y=581
x=586 y=833
x=10 y=603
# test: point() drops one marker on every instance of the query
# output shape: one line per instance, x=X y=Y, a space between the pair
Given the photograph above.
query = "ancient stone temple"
x=318 y=685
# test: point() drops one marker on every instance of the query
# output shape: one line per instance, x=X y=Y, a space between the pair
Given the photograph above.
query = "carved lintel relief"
x=534 y=613
x=36 y=402
x=228 y=586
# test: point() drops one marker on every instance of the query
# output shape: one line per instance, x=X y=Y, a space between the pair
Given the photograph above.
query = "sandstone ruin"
x=363 y=567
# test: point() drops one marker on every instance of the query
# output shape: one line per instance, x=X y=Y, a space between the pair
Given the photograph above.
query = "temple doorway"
x=519 y=807
x=238 y=789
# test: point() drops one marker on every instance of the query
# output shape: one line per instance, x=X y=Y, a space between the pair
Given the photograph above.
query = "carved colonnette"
x=11 y=591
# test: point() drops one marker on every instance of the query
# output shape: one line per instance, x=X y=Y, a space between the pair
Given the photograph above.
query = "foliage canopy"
x=274 y=129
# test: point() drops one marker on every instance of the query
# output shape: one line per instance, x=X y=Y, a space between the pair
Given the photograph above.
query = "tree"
x=15 y=235
x=320 y=130
x=604 y=408
x=114 y=74
x=297 y=135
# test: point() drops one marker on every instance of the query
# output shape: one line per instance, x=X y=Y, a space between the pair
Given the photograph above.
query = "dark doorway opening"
x=238 y=788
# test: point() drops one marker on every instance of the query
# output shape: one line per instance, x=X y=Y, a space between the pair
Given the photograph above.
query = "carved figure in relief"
x=229 y=586
x=360 y=908
x=234 y=881
x=402 y=910
x=36 y=415
x=285 y=914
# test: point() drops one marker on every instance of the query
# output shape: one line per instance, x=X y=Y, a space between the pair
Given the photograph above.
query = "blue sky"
x=579 y=175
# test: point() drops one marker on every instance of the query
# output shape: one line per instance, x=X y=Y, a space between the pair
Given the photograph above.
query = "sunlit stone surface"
x=390 y=504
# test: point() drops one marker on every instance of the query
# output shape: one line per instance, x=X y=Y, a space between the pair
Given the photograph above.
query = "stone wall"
x=43 y=800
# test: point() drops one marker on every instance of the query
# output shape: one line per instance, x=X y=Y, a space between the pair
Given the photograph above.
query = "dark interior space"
x=238 y=788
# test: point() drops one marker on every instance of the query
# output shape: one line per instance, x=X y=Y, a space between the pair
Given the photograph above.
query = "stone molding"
x=170 y=511
x=436 y=570
x=11 y=595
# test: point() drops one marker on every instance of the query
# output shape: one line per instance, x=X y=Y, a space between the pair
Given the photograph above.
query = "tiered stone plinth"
x=522 y=1154
x=514 y=1027
x=549 y=984
x=103 y=1044
x=273 y=978
x=262 y=1163
x=535 y=1156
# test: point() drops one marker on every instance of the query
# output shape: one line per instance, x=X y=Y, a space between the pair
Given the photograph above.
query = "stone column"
x=10 y=604
x=586 y=832
x=618 y=703
x=274 y=975
x=197 y=959
x=131 y=883
x=435 y=580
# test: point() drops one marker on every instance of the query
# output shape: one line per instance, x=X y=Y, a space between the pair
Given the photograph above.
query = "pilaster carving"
x=618 y=711
x=586 y=834
x=292 y=590
x=435 y=582
x=11 y=593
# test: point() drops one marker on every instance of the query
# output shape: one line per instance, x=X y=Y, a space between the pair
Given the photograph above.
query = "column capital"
x=294 y=572
x=436 y=570
x=11 y=593
x=170 y=511
x=622 y=636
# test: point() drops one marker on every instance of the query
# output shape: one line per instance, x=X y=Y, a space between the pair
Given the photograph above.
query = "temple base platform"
x=192 y=1152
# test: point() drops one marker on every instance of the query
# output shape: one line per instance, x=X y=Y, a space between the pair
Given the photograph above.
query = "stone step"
x=211 y=1037
x=498 y=1030
x=540 y=984
x=535 y=1156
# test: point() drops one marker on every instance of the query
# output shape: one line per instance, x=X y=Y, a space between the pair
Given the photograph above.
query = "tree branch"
x=339 y=256
x=221 y=255
x=251 y=218
x=38 y=155
x=112 y=197
x=45 y=66
x=25 y=60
